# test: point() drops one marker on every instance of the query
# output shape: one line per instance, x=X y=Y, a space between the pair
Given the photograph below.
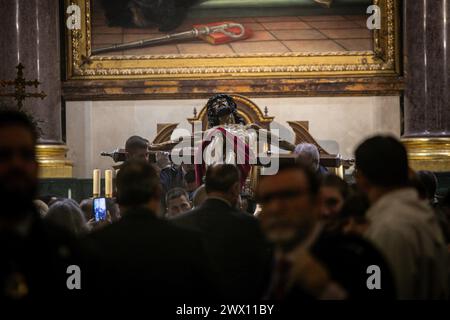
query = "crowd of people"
x=305 y=234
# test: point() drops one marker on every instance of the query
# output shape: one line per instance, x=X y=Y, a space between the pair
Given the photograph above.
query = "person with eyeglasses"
x=308 y=262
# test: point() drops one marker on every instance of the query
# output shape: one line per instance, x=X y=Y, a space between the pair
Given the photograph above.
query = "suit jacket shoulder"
x=215 y=211
x=141 y=251
x=235 y=245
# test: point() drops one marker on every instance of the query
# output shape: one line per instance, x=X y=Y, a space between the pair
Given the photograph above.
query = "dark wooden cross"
x=20 y=85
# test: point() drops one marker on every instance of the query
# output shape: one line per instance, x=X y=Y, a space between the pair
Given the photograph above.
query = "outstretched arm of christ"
x=171 y=144
x=324 y=3
x=269 y=137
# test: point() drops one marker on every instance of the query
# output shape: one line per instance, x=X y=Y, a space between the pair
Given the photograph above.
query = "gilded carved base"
x=53 y=162
x=429 y=153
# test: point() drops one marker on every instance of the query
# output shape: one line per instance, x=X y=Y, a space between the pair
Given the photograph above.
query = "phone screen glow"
x=100 y=209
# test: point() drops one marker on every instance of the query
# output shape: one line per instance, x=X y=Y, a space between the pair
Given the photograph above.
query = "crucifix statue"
x=20 y=85
x=225 y=128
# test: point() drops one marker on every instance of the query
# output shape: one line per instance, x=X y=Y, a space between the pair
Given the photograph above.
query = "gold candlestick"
x=108 y=183
x=96 y=183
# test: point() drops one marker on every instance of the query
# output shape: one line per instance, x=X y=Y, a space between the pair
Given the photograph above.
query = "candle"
x=108 y=183
x=96 y=183
x=69 y=194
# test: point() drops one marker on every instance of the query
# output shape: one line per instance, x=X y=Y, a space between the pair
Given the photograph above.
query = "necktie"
x=282 y=271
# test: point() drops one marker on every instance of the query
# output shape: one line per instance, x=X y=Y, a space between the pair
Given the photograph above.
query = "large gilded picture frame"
x=381 y=63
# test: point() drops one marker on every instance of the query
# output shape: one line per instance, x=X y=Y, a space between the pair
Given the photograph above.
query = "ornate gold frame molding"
x=169 y=71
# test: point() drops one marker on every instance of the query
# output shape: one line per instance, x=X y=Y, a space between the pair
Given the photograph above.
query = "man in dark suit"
x=233 y=240
x=143 y=255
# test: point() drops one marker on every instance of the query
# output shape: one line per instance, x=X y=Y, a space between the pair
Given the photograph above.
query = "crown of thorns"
x=213 y=119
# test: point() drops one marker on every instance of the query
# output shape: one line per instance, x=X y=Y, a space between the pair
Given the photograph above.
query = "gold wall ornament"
x=20 y=85
x=431 y=154
x=201 y=68
x=53 y=162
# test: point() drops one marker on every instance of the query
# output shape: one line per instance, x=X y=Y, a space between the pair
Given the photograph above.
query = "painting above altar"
x=259 y=26
x=280 y=42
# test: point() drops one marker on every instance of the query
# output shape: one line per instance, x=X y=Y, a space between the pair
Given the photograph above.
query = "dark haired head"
x=355 y=206
x=135 y=142
x=11 y=117
x=137 y=184
x=177 y=202
x=67 y=214
x=352 y=218
x=18 y=178
x=136 y=148
x=220 y=105
x=221 y=178
x=175 y=193
x=383 y=161
x=417 y=184
x=429 y=181
x=336 y=182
